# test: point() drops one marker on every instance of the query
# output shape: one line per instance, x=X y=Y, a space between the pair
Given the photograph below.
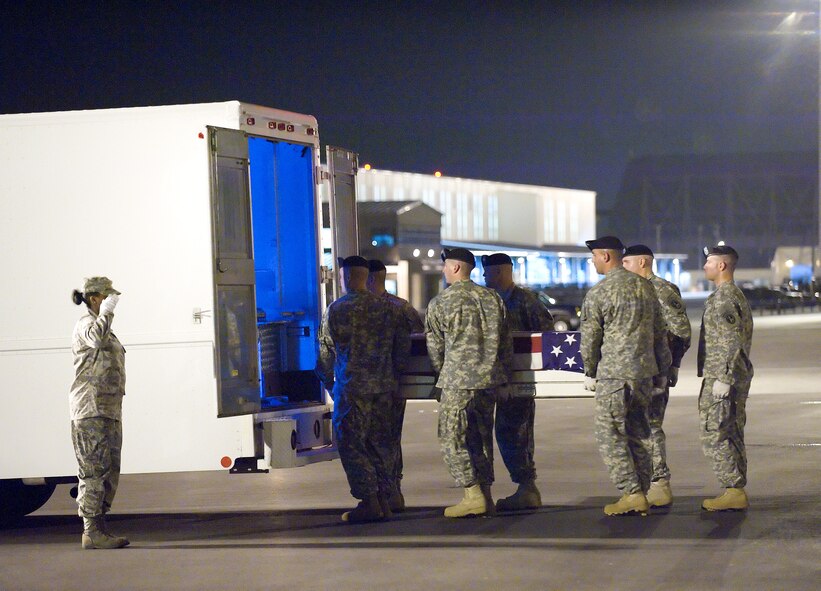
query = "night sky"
x=548 y=93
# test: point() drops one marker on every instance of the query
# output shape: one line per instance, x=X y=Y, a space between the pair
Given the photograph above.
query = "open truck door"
x=238 y=385
x=268 y=287
x=342 y=167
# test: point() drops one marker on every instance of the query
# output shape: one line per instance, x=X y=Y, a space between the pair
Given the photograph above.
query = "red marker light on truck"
x=281 y=126
x=250 y=121
x=226 y=462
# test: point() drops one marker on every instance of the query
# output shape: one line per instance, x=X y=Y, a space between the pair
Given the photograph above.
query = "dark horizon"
x=544 y=93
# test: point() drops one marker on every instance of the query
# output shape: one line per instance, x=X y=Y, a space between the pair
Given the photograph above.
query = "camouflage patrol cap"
x=721 y=249
x=605 y=243
x=637 y=250
x=352 y=261
x=497 y=258
x=100 y=285
x=459 y=254
x=375 y=265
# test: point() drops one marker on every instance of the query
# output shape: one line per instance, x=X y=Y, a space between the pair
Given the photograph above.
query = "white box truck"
x=207 y=218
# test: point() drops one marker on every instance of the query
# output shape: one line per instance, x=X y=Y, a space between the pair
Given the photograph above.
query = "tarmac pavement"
x=281 y=530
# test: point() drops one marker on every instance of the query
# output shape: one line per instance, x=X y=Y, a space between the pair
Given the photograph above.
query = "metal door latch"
x=200 y=314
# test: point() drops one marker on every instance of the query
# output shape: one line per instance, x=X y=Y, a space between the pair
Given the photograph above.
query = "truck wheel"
x=561 y=325
x=18 y=499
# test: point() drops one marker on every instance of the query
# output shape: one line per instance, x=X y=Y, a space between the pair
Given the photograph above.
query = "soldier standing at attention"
x=515 y=416
x=363 y=347
x=639 y=260
x=471 y=350
x=96 y=403
x=376 y=285
x=625 y=353
x=724 y=363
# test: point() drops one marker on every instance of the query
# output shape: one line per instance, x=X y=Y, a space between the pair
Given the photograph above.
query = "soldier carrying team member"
x=364 y=345
x=724 y=363
x=470 y=349
x=625 y=354
x=515 y=416
x=638 y=259
x=376 y=285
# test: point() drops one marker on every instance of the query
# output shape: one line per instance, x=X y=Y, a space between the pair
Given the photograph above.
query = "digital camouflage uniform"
x=363 y=347
x=96 y=402
x=515 y=416
x=470 y=349
x=414 y=325
x=678 y=338
x=624 y=344
x=724 y=355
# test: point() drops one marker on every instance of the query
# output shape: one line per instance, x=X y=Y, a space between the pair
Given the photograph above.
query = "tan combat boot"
x=473 y=503
x=632 y=503
x=368 y=509
x=527 y=496
x=104 y=528
x=95 y=537
x=660 y=493
x=733 y=499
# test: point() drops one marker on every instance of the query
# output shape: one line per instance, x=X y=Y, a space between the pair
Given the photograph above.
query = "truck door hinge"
x=321 y=175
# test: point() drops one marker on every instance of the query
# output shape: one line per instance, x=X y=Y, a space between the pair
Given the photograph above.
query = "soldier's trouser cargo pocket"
x=98 y=447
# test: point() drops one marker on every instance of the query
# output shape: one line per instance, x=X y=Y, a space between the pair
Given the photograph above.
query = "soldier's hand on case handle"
x=721 y=390
x=108 y=305
x=590 y=383
x=672 y=377
x=436 y=394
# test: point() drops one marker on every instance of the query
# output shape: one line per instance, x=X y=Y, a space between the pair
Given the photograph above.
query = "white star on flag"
x=560 y=351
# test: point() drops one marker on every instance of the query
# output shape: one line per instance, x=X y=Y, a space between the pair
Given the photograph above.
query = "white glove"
x=590 y=383
x=721 y=390
x=108 y=305
x=672 y=377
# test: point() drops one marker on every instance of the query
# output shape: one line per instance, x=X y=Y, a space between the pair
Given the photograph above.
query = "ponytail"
x=77 y=297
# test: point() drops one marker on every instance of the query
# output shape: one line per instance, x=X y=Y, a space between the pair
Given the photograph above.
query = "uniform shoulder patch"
x=730 y=318
x=674 y=302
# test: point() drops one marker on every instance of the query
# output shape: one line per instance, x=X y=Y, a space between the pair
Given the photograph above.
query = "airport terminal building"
x=406 y=218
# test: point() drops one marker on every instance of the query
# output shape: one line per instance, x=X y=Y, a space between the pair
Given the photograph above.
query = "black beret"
x=605 y=243
x=637 y=249
x=721 y=249
x=375 y=265
x=459 y=254
x=352 y=261
x=497 y=258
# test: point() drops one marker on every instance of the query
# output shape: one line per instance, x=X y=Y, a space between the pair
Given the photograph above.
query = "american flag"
x=560 y=350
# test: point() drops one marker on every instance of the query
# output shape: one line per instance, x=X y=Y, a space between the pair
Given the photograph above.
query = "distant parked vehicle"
x=566 y=316
x=779 y=300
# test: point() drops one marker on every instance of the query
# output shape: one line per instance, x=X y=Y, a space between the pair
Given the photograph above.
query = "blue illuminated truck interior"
x=286 y=268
